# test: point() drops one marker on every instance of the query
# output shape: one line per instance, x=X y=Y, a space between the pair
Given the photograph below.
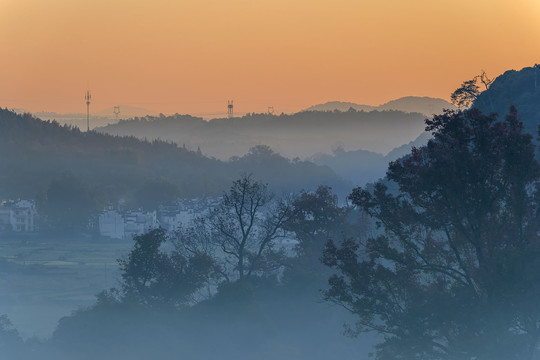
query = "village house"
x=18 y=216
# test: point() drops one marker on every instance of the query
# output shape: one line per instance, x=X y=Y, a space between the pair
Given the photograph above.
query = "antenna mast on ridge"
x=87 y=97
x=116 y=111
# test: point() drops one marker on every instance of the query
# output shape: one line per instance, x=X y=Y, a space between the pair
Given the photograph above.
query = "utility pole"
x=87 y=97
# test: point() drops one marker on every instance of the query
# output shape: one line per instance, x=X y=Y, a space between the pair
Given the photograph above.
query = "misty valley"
x=410 y=230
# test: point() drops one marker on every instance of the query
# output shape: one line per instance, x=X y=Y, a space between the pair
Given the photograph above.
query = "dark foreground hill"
x=520 y=88
x=34 y=153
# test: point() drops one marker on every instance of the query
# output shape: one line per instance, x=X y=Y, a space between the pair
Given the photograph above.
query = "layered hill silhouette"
x=411 y=104
x=360 y=166
x=298 y=135
x=340 y=106
x=520 y=88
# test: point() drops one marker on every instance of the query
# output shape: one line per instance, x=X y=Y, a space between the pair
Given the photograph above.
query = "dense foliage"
x=154 y=277
x=188 y=296
x=452 y=272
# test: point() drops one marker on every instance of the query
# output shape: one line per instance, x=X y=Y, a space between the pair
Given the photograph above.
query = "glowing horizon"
x=192 y=56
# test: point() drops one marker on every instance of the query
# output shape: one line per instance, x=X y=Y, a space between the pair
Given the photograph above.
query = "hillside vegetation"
x=298 y=135
x=35 y=153
x=519 y=88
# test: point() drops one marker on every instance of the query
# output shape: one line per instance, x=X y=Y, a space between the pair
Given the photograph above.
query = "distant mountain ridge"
x=340 y=106
x=411 y=104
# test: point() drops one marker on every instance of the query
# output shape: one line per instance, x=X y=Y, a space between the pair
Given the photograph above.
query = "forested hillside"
x=361 y=166
x=35 y=153
x=298 y=135
x=519 y=88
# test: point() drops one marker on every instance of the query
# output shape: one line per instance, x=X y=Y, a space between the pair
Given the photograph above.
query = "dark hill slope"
x=34 y=152
x=520 y=88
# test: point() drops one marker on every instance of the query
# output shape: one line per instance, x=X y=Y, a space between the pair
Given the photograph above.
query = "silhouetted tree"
x=469 y=90
x=10 y=340
x=152 y=277
x=315 y=218
x=246 y=225
x=453 y=271
x=241 y=230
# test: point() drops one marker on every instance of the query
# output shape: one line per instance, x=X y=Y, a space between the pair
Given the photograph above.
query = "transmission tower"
x=116 y=111
x=230 y=109
x=271 y=110
x=87 y=97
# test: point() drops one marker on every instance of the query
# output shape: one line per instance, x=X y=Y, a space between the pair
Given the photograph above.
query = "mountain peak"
x=418 y=104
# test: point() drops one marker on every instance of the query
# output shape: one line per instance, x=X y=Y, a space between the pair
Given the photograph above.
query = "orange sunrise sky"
x=191 y=56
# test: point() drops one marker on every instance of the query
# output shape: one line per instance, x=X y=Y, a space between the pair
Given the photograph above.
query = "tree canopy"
x=154 y=277
x=452 y=271
x=468 y=92
x=241 y=231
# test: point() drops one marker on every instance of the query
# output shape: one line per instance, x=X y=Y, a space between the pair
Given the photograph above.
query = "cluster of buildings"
x=117 y=224
x=18 y=216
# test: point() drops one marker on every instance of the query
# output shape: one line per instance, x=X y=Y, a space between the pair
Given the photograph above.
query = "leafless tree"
x=466 y=94
x=241 y=232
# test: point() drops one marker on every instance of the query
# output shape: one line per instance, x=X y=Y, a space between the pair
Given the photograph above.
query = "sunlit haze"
x=191 y=56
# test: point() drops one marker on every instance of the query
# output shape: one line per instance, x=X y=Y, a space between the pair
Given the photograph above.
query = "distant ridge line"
x=420 y=104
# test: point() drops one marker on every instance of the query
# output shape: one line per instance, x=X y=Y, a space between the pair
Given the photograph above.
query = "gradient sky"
x=191 y=56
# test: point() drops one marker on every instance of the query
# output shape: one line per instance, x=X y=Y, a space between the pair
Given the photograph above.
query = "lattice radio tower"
x=87 y=97
x=230 y=109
